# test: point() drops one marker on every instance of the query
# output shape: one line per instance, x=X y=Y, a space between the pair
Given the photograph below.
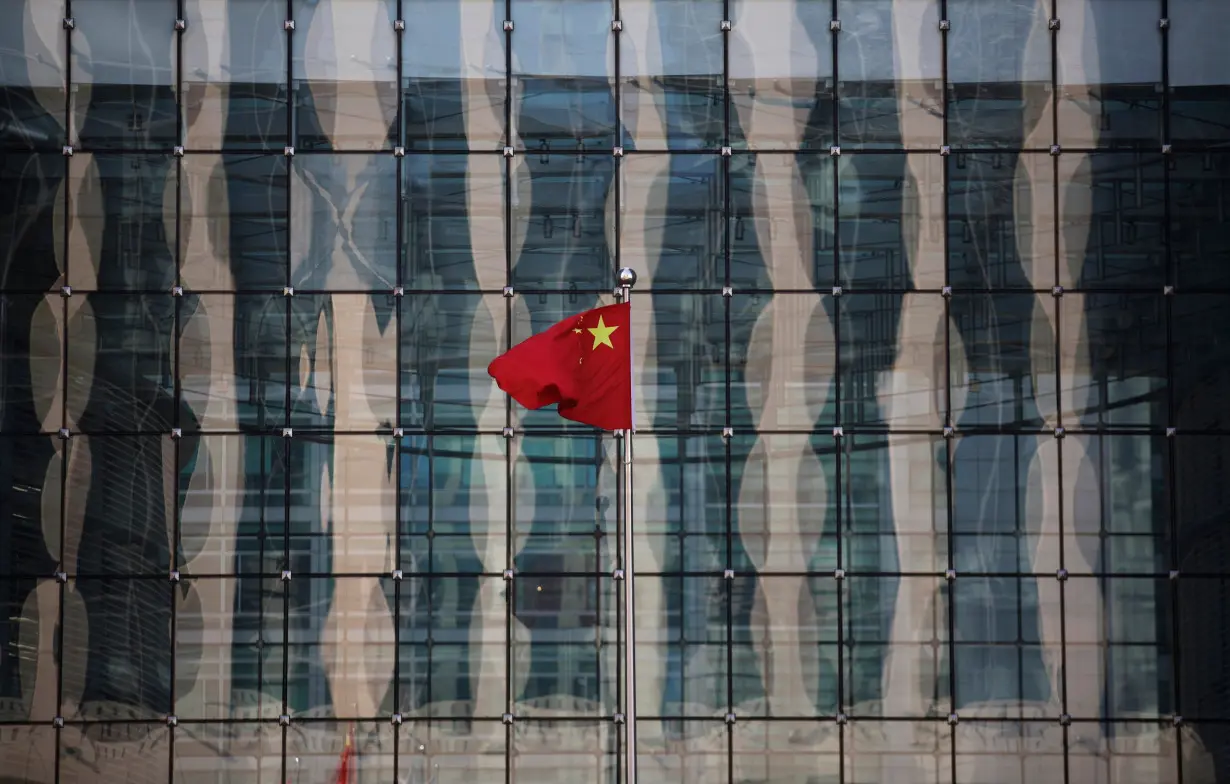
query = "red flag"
x=583 y=364
x=343 y=769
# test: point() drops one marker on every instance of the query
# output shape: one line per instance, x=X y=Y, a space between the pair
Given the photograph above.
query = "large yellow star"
x=602 y=334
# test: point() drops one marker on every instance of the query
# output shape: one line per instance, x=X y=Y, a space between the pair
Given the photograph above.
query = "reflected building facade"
x=930 y=380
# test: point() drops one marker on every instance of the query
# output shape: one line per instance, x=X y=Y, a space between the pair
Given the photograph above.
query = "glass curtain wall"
x=932 y=355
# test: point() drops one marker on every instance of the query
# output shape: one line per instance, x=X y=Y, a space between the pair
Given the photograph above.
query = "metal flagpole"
x=627 y=279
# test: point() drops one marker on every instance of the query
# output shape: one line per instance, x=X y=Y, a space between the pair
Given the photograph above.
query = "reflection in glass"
x=234 y=75
x=999 y=72
x=32 y=75
x=563 y=64
x=123 y=59
x=670 y=69
x=452 y=67
x=345 y=66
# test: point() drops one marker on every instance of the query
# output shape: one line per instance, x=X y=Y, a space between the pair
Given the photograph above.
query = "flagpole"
x=627 y=279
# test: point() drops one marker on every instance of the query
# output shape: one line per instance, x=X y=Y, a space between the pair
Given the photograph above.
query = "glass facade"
x=931 y=468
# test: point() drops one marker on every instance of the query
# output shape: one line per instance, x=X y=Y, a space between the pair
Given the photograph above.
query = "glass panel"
x=679 y=360
x=690 y=752
x=453 y=497
x=1197 y=82
x=881 y=751
x=233 y=218
x=999 y=73
x=1001 y=221
x=1006 y=649
x=232 y=361
x=347 y=222
x=782 y=355
x=559 y=208
x=891 y=222
x=32 y=85
x=559 y=751
x=232 y=496
x=30 y=472
x=894 y=504
x=889 y=57
x=447 y=341
x=563 y=66
x=219 y=673
x=782 y=221
x=1202 y=601
x=316 y=750
x=453 y=651
x=565 y=510
x=895 y=635
x=120 y=505
x=1005 y=504
x=136 y=751
x=122 y=223
x=1121 y=243
x=1002 y=360
x=1117 y=504
x=681 y=668
x=784 y=501
x=32 y=751
x=781 y=91
x=785 y=646
x=234 y=75
x=679 y=507
x=785 y=751
x=1199 y=500
x=1199 y=241
x=253 y=753
x=1009 y=752
x=452 y=752
x=1200 y=351
x=1113 y=359
x=453 y=63
x=565 y=660
x=1139 y=751
x=453 y=208
x=1118 y=647
x=341 y=646
x=892 y=359
x=123 y=54
x=31 y=362
x=345 y=67
x=670 y=67
x=121 y=360
x=342 y=500
x=670 y=220
x=1109 y=73
x=117 y=641
x=28 y=629
x=31 y=248
x=343 y=353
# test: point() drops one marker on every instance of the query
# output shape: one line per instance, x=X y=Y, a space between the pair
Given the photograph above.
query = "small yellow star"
x=577 y=330
x=602 y=334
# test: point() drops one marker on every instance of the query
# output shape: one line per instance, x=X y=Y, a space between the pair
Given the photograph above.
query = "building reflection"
x=928 y=471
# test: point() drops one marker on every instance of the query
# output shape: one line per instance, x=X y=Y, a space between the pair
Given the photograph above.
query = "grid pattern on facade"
x=930 y=349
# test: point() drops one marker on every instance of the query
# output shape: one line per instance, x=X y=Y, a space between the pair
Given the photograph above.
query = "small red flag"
x=583 y=364
x=343 y=769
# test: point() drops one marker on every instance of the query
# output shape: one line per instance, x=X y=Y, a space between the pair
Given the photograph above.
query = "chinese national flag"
x=343 y=769
x=583 y=364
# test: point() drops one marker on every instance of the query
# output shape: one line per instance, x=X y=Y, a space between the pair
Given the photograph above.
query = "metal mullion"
x=949 y=443
x=1172 y=445
x=509 y=467
x=398 y=262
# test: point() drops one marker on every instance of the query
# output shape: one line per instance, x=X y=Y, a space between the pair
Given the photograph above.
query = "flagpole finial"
x=627 y=277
